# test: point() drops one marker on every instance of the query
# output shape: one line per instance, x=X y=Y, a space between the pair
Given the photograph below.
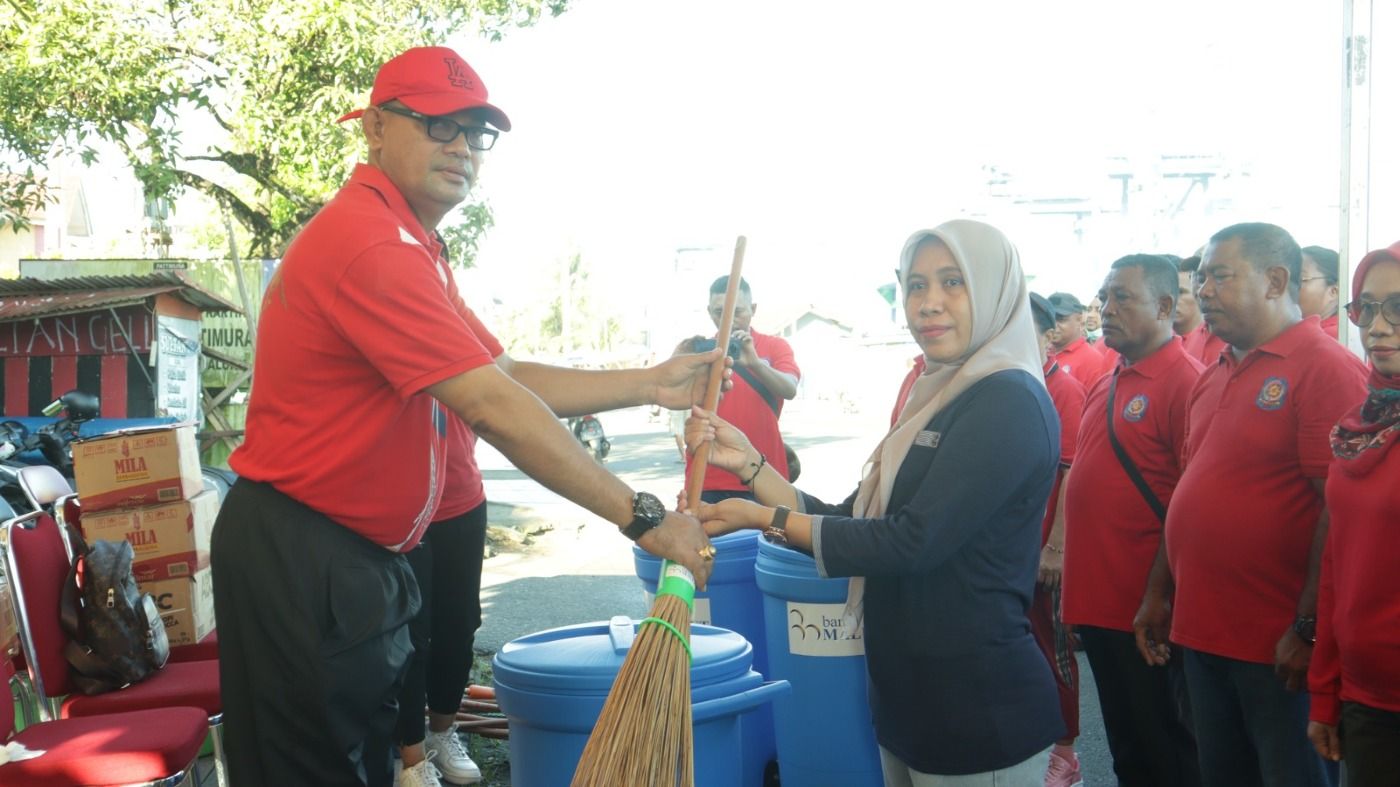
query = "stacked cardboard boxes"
x=144 y=485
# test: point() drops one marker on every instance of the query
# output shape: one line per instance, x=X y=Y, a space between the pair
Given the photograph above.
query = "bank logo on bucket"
x=821 y=630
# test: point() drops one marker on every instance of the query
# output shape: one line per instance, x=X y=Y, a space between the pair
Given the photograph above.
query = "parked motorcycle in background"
x=588 y=430
x=53 y=442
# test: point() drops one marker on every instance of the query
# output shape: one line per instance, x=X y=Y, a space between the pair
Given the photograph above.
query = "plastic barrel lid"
x=785 y=559
x=584 y=659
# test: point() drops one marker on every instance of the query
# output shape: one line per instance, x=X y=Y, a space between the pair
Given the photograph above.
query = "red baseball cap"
x=433 y=80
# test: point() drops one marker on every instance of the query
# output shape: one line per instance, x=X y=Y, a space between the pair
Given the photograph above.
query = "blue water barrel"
x=551 y=686
x=731 y=600
x=823 y=728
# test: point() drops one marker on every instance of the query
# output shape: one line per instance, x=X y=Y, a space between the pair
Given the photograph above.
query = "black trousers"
x=313 y=643
x=447 y=565
x=1370 y=745
x=1145 y=712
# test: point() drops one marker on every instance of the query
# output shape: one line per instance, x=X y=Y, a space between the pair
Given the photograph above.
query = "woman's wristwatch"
x=777 y=529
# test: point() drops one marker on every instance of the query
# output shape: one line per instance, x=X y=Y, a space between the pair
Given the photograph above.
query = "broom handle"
x=726 y=326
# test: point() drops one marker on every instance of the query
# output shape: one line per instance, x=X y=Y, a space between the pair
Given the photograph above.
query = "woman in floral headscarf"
x=942 y=536
x=1355 y=672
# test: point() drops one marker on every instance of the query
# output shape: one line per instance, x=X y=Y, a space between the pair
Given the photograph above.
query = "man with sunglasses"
x=1247 y=523
x=369 y=367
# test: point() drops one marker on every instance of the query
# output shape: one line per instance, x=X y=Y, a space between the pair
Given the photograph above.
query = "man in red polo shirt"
x=1247 y=524
x=1200 y=343
x=765 y=376
x=1050 y=633
x=1073 y=352
x=365 y=353
x=1114 y=526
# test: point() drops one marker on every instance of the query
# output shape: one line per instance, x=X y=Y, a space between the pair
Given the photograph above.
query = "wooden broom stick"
x=643 y=735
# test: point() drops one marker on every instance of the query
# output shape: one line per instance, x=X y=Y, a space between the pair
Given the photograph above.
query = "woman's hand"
x=728 y=516
x=729 y=449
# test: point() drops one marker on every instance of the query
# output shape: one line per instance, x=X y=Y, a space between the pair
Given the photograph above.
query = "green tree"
x=232 y=98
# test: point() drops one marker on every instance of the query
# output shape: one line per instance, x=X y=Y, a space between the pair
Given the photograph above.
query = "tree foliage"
x=232 y=98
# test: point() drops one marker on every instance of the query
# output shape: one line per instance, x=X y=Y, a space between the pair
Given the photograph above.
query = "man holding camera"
x=765 y=375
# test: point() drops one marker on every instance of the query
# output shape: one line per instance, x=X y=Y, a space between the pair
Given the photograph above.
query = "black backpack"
x=115 y=634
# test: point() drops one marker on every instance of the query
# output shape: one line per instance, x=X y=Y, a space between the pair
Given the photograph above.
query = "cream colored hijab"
x=1003 y=337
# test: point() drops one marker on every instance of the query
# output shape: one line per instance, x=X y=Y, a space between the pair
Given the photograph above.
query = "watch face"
x=649 y=507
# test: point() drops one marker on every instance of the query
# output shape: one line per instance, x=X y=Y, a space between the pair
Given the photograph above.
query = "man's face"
x=1188 y=311
x=743 y=310
x=1132 y=318
x=1069 y=329
x=1093 y=317
x=433 y=177
x=1233 y=295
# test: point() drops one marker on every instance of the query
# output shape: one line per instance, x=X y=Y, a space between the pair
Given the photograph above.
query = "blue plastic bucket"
x=551 y=686
x=823 y=727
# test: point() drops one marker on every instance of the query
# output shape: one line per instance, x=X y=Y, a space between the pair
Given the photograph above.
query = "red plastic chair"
x=37 y=563
x=153 y=747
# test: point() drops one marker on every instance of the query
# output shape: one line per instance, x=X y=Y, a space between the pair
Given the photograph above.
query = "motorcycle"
x=588 y=430
x=52 y=441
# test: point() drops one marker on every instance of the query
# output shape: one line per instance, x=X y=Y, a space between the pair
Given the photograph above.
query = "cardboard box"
x=169 y=541
x=137 y=467
x=186 y=605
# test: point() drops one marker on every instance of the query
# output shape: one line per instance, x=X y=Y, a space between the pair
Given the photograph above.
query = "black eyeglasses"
x=1363 y=313
x=445 y=129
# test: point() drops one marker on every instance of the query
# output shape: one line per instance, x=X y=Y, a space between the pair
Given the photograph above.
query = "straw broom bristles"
x=643 y=735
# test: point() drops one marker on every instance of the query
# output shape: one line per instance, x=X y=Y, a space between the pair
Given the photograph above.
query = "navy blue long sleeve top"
x=957 y=684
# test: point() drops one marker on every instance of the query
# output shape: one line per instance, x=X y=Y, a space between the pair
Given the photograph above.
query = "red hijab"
x=1364 y=436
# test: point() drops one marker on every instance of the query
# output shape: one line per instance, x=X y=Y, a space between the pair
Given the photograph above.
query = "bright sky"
x=827 y=132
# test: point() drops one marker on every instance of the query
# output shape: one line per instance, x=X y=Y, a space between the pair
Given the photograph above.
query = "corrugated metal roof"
x=27 y=298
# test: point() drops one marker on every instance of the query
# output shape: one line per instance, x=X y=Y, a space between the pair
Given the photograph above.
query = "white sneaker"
x=453 y=762
x=424 y=774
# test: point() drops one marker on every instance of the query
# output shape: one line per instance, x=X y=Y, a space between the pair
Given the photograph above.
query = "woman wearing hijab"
x=1355 y=672
x=944 y=528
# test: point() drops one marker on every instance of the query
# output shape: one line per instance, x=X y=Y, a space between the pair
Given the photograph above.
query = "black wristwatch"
x=1306 y=629
x=777 y=529
x=647 y=512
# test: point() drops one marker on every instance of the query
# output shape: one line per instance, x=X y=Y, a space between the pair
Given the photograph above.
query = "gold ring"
x=708 y=552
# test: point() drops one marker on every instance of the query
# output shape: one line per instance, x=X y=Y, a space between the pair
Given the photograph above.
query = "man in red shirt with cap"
x=365 y=354
x=1050 y=632
x=1073 y=352
x=1125 y=472
x=1248 y=521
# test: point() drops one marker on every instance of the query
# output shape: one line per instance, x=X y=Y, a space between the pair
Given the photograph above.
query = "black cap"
x=1043 y=311
x=1065 y=304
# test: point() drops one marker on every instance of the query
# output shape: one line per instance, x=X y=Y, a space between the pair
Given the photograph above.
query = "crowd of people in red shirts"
x=1216 y=540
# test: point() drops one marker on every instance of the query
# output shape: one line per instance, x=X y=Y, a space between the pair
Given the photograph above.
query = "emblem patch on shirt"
x=1273 y=394
x=928 y=439
x=1136 y=408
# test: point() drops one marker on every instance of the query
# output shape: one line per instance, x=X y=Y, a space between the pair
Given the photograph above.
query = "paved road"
x=581 y=570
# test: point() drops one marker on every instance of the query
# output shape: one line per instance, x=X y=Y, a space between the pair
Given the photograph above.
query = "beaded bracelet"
x=762 y=460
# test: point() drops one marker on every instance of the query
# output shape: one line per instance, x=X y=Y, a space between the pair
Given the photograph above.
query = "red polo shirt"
x=1357 y=658
x=1111 y=533
x=1203 y=345
x=1329 y=326
x=1068 y=397
x=743 y=407
x=1082 y=361
x=360 y=318
x=464 y=490
x=1240 y=527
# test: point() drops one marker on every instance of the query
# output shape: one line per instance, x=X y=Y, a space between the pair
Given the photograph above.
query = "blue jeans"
x=1250 y=730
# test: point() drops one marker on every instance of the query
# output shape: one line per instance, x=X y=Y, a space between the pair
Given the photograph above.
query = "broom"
x=643 y=734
